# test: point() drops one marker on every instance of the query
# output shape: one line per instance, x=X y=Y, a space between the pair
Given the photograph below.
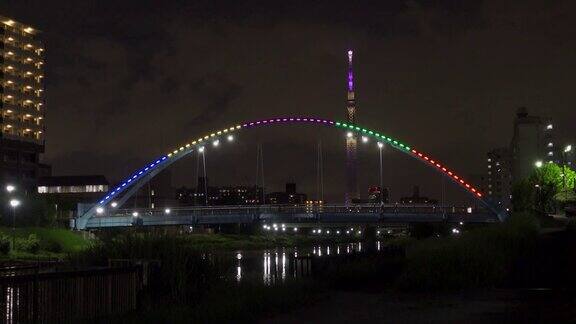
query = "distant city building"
x=290 y=196
x=91 y=185
x=375 y=192
x=498 y=184
x=158 y=192
x=66 y=192
x=22 y=104
x=533 y=140
x=218 y=196
x=416 y=199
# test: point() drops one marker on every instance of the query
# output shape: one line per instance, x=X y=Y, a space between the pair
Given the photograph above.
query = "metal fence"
x=30 y=295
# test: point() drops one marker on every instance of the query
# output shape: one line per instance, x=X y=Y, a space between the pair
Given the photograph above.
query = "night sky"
x=130 y=80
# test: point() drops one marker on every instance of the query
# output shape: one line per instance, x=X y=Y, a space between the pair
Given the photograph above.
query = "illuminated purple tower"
x=351 y=139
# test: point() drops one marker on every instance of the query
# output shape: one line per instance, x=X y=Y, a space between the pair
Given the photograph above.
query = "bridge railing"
x=291 y=209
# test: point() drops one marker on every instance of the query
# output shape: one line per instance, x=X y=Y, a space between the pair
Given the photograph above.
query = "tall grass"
x=483 y=257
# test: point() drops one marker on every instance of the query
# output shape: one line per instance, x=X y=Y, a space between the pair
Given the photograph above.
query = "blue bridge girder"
x=301 y=215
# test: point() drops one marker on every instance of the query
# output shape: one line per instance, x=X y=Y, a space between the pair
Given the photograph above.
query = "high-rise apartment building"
x=498 y=182
x=533 y=141
x=22 y=104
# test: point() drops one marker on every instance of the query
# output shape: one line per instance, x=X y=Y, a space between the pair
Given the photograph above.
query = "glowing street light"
x=135 y=214
x=201 y=149
x=349 y=134
x=230 y=138
x=167 y=211
x=380 y=145
x=10 y=188
x=216 y=143
x=364 y=139
x=568 y=148
x=538 y=164
x=114 y=204
x=99 y=210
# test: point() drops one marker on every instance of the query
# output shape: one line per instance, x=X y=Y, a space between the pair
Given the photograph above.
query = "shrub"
x=30 y=244
x=480 y=258
x=52 y=246
x=4 y=244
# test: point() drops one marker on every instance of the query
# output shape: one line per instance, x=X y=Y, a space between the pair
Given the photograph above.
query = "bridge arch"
x=132 y=183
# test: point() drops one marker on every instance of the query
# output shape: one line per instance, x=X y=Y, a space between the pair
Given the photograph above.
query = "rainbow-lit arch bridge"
x=119 y=195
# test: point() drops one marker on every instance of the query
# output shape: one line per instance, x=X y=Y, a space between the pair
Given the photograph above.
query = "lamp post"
x=14 y=203
x=567 y=149
x=202 y=150
x=380 y=146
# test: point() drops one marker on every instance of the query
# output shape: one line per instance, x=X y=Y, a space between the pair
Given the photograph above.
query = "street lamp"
x=538 y=164
x=14 y=203
x=10 y=188
x=380 y=146
x=202 y=150
x=567 y=149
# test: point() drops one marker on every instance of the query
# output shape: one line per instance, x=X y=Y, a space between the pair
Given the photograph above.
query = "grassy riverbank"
x=51 y=243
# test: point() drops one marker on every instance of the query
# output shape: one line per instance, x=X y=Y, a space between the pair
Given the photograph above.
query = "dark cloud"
x=127 y=82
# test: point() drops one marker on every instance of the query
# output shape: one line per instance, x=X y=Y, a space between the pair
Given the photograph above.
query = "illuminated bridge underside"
x=130 y=185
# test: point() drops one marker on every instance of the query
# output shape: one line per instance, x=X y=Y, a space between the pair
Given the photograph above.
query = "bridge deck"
x=297 y=215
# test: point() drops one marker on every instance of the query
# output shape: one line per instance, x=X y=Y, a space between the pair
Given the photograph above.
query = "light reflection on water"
x=277 y=265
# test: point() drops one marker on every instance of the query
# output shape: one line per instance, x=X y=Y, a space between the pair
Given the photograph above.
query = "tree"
x=547 y=187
